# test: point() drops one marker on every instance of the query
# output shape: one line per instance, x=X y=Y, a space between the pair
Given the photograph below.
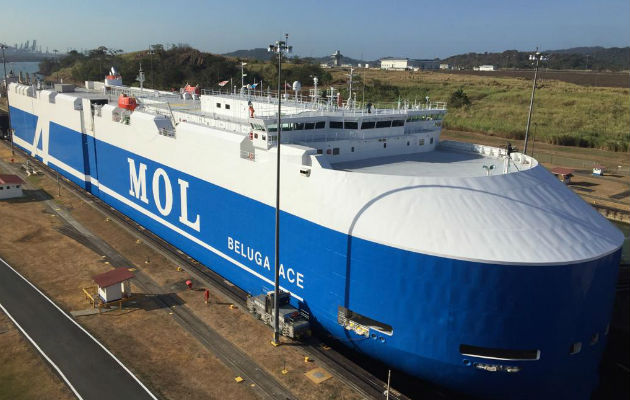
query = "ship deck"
x=437 y=163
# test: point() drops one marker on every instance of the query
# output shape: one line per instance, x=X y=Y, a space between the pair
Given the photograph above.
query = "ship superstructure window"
x=398 y=122
x=335 y=151
x=336 y=125
x=309 y=125
x=498 y=354
x=298 y=126
x=350 y=125
x=421 y=142
x=383 y=124
x=320 y=125
x=368 y=124
x=431 y=141
x=218 y=105
x=227 y=106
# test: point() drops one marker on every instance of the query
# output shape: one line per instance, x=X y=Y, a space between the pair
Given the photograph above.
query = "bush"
x=458 y=99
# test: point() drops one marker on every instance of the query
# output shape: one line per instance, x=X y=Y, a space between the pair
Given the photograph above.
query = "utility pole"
x=6 y=89
x=536 y=57
x=243 y=74
x=280 y=47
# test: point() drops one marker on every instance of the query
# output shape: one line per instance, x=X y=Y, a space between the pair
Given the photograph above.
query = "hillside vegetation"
x=564 y=113
x=171 y=68
x=583 y=58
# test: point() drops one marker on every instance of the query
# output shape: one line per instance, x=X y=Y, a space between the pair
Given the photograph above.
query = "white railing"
x=307 y=104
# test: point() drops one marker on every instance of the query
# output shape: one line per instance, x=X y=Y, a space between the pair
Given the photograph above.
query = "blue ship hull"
x=434 y=304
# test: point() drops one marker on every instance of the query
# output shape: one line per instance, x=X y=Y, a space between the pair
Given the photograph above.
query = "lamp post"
x=536 y=58
x=6 y=89
x=280 y=48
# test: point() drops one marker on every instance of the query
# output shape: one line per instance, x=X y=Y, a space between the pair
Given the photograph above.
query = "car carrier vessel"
x=465 y=265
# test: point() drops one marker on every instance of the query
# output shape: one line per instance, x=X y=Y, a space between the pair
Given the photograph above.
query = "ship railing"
x=311 y=104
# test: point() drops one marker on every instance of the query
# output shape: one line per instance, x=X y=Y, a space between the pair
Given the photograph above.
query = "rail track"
x=355 y=376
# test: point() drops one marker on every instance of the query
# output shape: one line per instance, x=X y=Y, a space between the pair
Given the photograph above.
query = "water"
x=28 y=66
x=625 y=252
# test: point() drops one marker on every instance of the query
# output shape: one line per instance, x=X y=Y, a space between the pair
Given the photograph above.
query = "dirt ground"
x=21 y=366
x=159 y=351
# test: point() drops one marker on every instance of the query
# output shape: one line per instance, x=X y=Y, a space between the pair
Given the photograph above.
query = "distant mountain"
x=595 y=58
x=259 y=54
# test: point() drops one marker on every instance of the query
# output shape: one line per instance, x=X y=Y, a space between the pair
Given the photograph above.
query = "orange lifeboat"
x=126 y=102
x=192 y=89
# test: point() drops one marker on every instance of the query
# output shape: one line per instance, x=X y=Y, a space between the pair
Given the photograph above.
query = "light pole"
x=6 y=89
x=280 y=48
x=243 y=74
x=536 y=57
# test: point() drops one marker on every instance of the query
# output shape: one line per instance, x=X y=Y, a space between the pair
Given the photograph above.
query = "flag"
x=223 y=83
x=287 y=86
x=254 y=85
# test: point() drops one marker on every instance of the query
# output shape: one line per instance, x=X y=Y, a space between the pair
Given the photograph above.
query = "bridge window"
x=336 y=125
x=298 y=126
x=498 y=354
x=320 y=125
x=320 y=151
x=227 y=106
x=218 y=105
x=309 y=125
x=350 y=125
x=398 y=122
x=368 y=124
x=383 y=124
x=335 y=151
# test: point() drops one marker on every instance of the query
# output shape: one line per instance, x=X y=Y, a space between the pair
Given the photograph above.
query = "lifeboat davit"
x=126 y=102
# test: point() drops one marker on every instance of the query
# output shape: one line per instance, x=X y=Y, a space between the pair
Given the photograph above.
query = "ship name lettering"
x=138 y=189
x=252 y=254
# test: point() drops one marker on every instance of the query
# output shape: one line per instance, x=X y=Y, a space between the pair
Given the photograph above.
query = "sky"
x=368 y=29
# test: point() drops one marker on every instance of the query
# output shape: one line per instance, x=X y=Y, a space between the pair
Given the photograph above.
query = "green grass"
x=564 y=113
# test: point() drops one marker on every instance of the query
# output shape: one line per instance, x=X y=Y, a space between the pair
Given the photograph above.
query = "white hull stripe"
x=154 y=217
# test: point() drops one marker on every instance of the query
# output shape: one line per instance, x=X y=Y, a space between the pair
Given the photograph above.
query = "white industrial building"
x=10 y=186
x=485 y=68
x=398 y=64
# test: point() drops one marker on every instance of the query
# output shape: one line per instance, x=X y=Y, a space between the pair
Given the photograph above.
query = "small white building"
x=445 y=66
x=487 y=68
x=395 y=63
x=114 y=285
x=10 y=186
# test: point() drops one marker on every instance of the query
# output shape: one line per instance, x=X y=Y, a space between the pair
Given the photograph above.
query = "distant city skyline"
x=366 y=29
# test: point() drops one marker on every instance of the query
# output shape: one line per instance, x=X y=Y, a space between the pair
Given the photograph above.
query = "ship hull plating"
x=433 y=304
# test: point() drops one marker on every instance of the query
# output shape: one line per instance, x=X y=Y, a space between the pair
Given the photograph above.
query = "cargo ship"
x=465 y=265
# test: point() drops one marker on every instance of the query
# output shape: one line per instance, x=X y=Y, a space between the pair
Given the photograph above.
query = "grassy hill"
x=564 y=113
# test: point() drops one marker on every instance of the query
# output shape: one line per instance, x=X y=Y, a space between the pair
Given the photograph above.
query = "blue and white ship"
x=461 y=264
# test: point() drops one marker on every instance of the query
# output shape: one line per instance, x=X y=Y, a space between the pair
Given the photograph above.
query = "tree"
x=458 y=99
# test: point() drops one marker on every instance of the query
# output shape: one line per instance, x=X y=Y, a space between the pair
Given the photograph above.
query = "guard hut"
x=114 y=285
x=10 y=186
x=564 y=174
x=598 y=170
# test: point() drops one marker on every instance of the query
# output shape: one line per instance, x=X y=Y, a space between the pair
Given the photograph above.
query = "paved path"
x=89 y=369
